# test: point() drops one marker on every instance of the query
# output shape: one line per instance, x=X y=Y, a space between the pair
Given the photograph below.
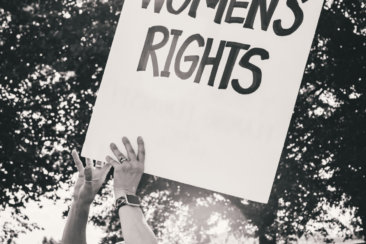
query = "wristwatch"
x=126 y=199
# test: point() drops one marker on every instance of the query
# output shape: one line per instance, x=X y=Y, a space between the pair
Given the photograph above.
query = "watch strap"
x=123 y=200
x=120 y=202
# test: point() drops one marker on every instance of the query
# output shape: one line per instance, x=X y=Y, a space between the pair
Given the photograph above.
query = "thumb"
x=111 y=161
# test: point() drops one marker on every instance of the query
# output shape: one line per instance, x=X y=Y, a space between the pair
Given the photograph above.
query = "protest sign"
x=209 y=84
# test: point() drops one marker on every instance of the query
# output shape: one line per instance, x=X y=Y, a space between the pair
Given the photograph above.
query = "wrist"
x=118 y=192
x=80 y=204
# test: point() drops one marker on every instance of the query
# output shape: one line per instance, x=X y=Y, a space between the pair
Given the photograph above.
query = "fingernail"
x=139 y=139
x=74 y=153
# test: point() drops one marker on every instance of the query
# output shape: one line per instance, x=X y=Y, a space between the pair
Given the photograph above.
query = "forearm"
x=134 y=227
x=75 y=228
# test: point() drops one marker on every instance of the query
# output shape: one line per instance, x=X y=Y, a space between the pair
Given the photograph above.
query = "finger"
x=111 y=161
x=89 y=163
x=77 y=161
x=130 y=152
x=117 y=152
x=88 y=171
x=141 y=149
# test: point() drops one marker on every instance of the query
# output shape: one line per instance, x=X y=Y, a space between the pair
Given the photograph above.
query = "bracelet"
x=120 y=202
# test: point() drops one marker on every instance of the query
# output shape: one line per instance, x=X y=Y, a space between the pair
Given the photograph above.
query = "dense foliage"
x=53 y=54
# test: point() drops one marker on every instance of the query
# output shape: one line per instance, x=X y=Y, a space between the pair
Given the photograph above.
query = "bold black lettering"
x=214 y=61
x=266 y=14
x=193 y=59
x=157 y=7
x=176 y=34
x=173 y=11
x=150 y=48
x=211 y=4
x=229 y=13
x=299 y=17
x=193 y=9
x=220 y=9
x=234 y=51
x=257 y=73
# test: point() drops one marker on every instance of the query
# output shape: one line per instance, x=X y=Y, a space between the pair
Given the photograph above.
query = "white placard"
x=224 y=132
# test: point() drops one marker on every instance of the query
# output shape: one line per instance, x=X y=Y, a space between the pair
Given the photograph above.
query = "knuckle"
x=134 y=168
x=126 y=166
x=120 y=156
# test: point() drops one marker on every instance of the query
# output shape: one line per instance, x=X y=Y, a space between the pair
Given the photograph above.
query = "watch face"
x=131 y=199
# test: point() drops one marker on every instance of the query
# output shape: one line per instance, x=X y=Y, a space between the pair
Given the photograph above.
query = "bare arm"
x=134 y=226
x=75 y=227
x=89 y=181
x=127 y=176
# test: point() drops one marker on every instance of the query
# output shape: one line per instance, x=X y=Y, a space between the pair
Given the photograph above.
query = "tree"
x=53 y=56
x=324 y=154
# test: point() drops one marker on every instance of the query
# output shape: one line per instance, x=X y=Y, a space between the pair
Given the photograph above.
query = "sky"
x=50 y=218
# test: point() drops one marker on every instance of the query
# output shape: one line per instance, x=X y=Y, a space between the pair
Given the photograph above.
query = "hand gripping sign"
x=209 y=84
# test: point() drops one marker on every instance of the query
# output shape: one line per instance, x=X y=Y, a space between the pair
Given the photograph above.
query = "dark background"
x=52 y=57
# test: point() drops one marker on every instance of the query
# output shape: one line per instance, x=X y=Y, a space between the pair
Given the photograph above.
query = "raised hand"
x=90 y=179
x=127 y=170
